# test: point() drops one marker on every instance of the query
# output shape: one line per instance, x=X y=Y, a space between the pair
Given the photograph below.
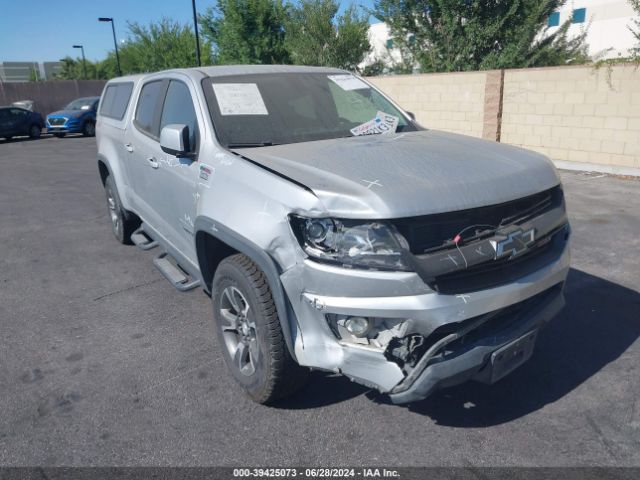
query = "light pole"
x=84 y=62
x=115 y=42
x=195 y=26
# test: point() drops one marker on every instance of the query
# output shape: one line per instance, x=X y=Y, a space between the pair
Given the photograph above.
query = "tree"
x=158 y=46
x=33 y=75
x=108 y=68
x=374 y=69
x=68 y=69
x=246 y=31
x=635 y=29
x=72 y=70
x=317 y=36
x=457 y=35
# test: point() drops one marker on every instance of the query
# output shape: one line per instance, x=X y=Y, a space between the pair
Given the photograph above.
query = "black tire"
x=89 y=129
x=123 y=223
x=59 y=134
x=35 y=131
x=275 y=374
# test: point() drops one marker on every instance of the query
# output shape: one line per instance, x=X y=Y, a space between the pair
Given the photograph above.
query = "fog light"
x=358 y=326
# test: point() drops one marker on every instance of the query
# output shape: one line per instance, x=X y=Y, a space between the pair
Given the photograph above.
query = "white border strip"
x=596 y=167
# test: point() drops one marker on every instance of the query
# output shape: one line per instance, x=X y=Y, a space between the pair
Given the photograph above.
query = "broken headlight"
x=352 y=243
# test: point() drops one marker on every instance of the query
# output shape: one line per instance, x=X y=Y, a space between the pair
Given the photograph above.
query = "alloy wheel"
x=239 y=330
x=113 y=212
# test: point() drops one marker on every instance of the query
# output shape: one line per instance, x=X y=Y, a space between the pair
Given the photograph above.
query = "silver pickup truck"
x=332 y=231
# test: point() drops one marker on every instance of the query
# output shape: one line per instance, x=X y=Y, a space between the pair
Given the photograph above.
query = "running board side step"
x=174 y=274
x=142 y=240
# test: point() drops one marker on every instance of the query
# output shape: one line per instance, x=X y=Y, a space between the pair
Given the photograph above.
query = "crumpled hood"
x=408 y=174
x=68 y=113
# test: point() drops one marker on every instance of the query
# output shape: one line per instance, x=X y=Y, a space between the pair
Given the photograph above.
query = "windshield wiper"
x=252 y=145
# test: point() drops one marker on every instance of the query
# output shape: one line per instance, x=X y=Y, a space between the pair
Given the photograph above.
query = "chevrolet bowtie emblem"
x=515 y=244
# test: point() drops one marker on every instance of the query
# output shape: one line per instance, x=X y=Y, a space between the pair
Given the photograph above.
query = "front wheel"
x=89 y=129
x=35 y=131
x=123 y=223
x=250 y=334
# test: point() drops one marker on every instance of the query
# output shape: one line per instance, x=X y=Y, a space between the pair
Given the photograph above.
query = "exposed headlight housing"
x=352 y=243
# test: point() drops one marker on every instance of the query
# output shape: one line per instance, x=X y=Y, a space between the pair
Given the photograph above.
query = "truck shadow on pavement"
x=599 y=323
x=321 y=390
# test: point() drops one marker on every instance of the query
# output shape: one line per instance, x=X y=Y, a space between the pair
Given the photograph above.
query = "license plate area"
x=512 y=355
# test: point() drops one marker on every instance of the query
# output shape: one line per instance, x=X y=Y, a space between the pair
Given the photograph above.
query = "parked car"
x=15 y=122
x=331 y=230
x=77 y=117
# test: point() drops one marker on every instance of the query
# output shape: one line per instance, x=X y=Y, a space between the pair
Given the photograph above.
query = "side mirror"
x=174 y=140
x=412 y=115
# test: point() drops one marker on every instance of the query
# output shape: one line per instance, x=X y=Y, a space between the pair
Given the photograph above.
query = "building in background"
x=28 y=71
x=606 y=22
x=382 y=48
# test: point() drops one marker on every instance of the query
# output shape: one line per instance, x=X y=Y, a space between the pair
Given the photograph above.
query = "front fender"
x=266 y=264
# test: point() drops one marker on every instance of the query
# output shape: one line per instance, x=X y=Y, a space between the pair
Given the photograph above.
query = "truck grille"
x=432 y=232
x=56 y=122
x=454 y=267
x=500 y=272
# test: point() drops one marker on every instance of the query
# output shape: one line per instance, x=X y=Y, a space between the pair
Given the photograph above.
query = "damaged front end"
x=484 y=349
x=477 y=287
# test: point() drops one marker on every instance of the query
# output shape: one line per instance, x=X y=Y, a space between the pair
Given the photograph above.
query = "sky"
x=39 y=30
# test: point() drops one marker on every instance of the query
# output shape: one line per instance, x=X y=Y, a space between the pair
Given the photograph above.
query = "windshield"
x=81 y=104
x=272 y=109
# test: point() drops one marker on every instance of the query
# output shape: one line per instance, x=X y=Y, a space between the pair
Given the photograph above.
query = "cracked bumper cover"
x=396 y=295
x=474 y=363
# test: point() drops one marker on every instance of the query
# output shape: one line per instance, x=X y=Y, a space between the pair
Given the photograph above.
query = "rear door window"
x=178 y=109
x=147 y=117
x=115 y=100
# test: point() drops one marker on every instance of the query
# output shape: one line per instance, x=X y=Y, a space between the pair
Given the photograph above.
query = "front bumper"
x=316 y=291
x=70 y=126
x=474 y=362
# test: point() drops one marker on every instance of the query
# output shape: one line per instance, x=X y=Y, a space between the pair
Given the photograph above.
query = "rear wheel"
x=249 y=332
x=59 y=134
x=89 y=129
x=35 y=131
x=123 y=223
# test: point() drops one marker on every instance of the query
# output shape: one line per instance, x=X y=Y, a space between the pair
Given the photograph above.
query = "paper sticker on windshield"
x=348 y=82
x=239 y=99
x=381 y=124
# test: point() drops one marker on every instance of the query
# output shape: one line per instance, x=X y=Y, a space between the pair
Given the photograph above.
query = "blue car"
x=77 y=117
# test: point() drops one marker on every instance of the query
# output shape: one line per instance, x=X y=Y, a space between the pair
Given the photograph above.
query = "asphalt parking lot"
x=103 y=363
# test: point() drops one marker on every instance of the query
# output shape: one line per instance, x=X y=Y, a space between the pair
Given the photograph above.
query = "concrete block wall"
x=575 y=114
x=445 y=101
x=581 y=116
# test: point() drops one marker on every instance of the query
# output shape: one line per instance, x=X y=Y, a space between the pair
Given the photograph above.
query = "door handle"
x=129 y=147
x=153 y=162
